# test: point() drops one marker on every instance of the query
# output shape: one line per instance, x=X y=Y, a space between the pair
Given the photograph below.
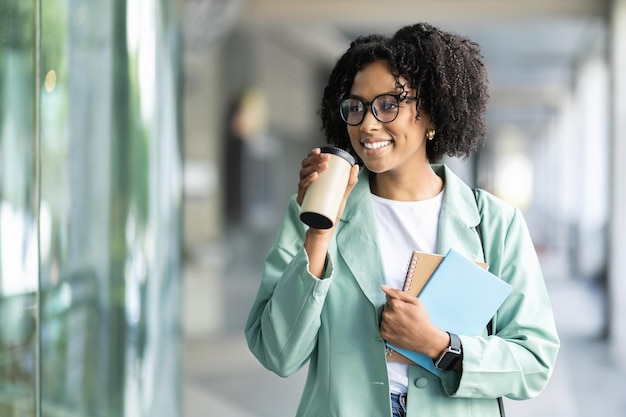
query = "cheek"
x=414 y=129
x=354 y=134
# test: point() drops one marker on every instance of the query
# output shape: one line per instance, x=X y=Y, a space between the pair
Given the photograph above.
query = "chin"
x=375 y=168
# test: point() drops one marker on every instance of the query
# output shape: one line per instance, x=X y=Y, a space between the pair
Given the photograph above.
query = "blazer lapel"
x=459 y=217
x=356 y=242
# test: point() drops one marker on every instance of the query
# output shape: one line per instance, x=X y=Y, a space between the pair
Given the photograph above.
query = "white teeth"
x=376 y=145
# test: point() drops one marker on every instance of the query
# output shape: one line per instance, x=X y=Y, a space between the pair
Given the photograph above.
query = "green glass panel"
x=18 y=210
x=110 y=209
x=90 y=208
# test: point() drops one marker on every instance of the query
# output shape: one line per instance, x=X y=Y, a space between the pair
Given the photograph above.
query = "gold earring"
x=430 y=134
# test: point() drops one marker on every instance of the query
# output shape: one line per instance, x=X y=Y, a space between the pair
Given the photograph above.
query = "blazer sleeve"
x=516 y=361
x=284 y=319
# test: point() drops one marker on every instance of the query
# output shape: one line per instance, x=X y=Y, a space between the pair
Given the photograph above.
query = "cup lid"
x=339 y=152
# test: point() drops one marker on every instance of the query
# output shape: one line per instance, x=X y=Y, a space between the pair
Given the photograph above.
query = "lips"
x=376 y=145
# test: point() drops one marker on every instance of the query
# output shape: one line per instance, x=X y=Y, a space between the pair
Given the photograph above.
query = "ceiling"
x=532 y=47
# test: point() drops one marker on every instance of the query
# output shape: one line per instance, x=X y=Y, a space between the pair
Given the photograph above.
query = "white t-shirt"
x=404 y=226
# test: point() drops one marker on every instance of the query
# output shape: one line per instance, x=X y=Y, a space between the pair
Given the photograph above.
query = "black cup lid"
x=339 y=152
x=316 y=220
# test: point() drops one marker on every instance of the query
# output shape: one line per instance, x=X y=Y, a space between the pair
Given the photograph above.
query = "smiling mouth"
x=376 y=145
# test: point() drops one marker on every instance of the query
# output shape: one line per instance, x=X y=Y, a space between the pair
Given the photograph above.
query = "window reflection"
x=90 y=247
x=18 y=227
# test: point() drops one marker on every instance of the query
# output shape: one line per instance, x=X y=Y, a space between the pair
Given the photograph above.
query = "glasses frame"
x=399 y=98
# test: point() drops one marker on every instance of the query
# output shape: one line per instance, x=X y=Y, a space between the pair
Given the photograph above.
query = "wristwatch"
x=451 y=355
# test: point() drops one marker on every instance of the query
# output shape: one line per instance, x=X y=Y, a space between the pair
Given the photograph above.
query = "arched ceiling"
x=532 y=47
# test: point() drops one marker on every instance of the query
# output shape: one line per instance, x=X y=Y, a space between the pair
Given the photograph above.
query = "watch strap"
x=451 y=355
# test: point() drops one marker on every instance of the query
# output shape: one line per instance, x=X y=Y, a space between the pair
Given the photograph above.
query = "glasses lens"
x=352 y=111
x=385 y=108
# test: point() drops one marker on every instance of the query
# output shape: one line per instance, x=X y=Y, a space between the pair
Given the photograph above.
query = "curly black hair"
x=446 y=70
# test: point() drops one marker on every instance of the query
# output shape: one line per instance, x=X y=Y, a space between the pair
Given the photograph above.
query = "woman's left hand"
x=406 y=324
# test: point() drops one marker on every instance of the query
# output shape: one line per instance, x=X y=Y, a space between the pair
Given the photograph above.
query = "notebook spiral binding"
x=410 y=271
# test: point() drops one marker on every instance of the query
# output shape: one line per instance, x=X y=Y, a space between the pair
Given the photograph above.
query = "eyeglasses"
x=385 y=108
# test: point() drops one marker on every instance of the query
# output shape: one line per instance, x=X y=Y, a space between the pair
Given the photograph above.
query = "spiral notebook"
x=421 y=267
x=460 y=296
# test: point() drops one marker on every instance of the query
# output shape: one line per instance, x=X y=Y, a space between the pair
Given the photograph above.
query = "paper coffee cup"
x=323 y=196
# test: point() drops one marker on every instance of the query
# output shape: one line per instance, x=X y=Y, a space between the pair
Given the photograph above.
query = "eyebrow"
x=392 y=93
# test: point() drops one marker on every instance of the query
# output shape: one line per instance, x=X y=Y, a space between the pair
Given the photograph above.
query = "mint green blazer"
x=333 y=323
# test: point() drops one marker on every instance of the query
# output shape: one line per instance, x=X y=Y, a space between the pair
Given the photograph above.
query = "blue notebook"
x=460 y=297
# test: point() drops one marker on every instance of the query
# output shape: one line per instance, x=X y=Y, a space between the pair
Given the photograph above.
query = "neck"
x=422 y=184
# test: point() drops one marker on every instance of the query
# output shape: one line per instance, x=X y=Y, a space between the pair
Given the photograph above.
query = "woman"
x=331 y=298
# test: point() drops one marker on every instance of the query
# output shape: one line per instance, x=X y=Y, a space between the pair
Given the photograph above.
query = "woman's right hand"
x=316 y=241
x=314 y=162
x=312 y=165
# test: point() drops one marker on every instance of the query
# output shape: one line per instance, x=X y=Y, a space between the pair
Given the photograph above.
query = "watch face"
x=449 y=357
x=447 y=360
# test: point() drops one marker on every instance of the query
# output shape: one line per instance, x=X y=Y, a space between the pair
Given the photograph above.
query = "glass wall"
x=18 y=209
x=90 y=208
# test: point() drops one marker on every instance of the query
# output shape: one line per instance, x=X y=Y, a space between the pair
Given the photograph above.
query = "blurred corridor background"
x=148 y=149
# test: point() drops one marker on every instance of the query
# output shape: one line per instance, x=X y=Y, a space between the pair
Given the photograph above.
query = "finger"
x=312 y=164
x=398 y=294
x=354 y=178
x=314 y=158
x=391 y=292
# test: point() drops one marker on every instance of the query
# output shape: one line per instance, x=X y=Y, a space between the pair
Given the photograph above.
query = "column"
x=617 y=232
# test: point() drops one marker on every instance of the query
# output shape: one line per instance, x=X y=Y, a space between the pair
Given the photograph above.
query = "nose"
x=370 y=122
